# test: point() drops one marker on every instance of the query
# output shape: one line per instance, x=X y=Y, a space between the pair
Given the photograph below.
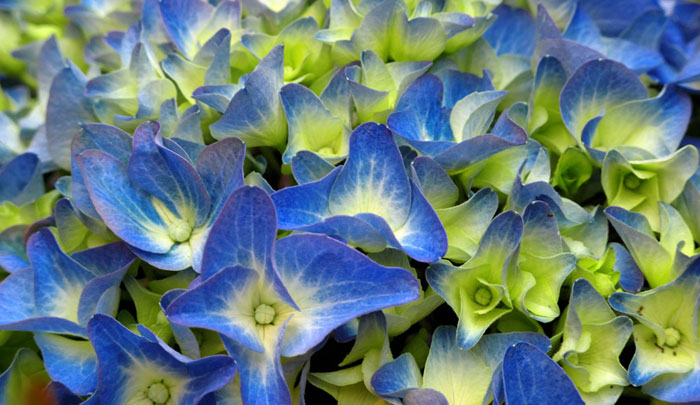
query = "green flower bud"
x=158 y=393
x=632 y=182
x=673 y=337
x=179 y=230
x=264 y=314
x=482 y=296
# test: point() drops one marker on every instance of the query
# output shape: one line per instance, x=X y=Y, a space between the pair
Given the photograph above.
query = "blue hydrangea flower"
x=135 y=369
x=161 y=201
x=59 y=293
x=272 y=298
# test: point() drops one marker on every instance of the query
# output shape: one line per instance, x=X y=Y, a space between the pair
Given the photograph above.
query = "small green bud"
x=264 y=314
x=632 y=182
x=158 y=393
x=179 y=230
x=673 y=337
x=482 y=296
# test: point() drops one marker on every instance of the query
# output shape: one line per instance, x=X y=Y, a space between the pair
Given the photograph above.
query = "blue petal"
x=422 y=236
x=582 y=29
x=184 y=337
x=221 y=167
x=595 y=86
x=21 y=181
x=183 y=19
x=366 y=232
x=458 y=84
x=675 y=387
x=373 y=179
x=56 y=275
x=332 y=284
x=530 y=377
x=243 y=234
x=127 y=211
x=217 y=97
x=336 y=97
x=513 y=32
x=631 y=278
x=308 y=167
x=262 y=380
x=663 y=120
x=167 y=176
x=106 y=138
x=419 y=114
x=473 y=151
x=305 y=204
x=396 y=377
x=13 y=254
x=436 y=185
x=255 y=113
x=646 y=30
x=614 y=17
x=70 y=362
x=67 y=108
x=106 y=259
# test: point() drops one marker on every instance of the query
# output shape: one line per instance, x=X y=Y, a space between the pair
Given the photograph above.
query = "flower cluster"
x=375 y=201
